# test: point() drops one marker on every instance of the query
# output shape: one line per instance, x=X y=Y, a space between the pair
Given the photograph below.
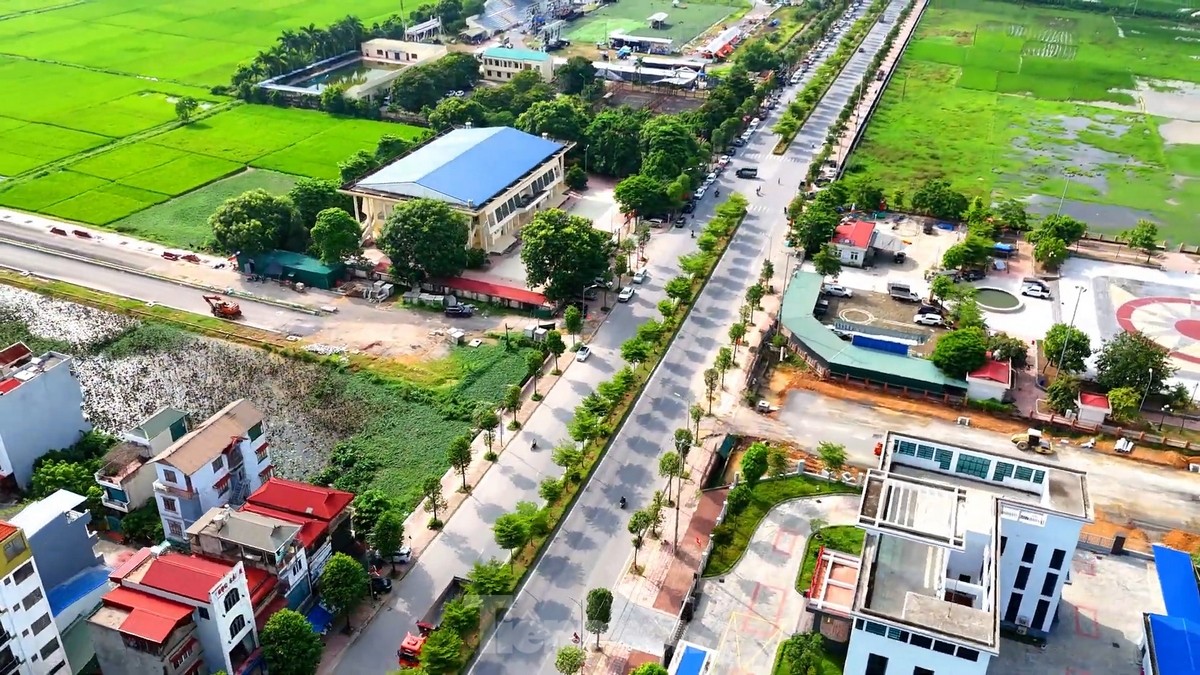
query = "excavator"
x=222 y=308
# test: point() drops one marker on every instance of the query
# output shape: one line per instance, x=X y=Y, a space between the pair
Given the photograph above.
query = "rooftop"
x=1094 y=401
x=495 y=290
x=183 y=575
x=913 y=507
x=515 y=54
x=856 y=233
x=301 y=499
x=466 y=167
x=995 y=371
x=18 y=365
x=310 y=528
x=159 y=422
x=124 y=459
x=204 y=443
x=70 y=591
x=1174 y=639
x=41 y=513
x=253 y=530
x=140 y=614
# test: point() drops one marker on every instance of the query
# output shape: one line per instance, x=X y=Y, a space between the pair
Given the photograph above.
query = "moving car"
x=928 y=320
x=747 y=172
x=626 y=294
x=837 y=290
x=639 y=277
x=583 y=353
x=689 y=207
x=1036 y=291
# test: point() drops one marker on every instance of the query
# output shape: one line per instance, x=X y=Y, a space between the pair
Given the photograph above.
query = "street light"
x=1166 y=410
x=577 y=602
x=1149 y=381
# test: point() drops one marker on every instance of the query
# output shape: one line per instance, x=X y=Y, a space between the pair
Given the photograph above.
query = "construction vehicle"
x=409 y=653
x=1032 y=440
x=222 y=308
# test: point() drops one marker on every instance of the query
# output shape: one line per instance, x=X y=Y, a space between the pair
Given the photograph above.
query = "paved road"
x=592 y=547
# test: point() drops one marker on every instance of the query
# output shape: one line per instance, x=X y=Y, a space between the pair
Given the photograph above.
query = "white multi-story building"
x=41 y=409
x=960 y=543
x=502 y=64
x=220 y=462
x=30 y=643
x=268 y=543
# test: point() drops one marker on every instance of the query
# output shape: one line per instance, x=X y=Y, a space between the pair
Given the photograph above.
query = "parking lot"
x=1099 y=622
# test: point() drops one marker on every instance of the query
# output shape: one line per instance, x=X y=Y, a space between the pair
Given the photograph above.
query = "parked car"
x=381 y=585
x=460 y=310
x=822 y=307
x=680 y=220
x=689 y=207
x=928 y=319
x=837 y=290
x=972 y=275
x=626 y=294
x=639 y=277
x=583 y=353
x=1036 y=291
x=401 y=557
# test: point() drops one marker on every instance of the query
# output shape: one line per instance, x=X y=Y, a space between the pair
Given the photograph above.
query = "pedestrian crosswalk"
x=756 y=208
x=750 y=156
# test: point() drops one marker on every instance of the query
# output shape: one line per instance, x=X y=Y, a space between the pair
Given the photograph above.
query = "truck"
x=902 y=293
x=409 y=653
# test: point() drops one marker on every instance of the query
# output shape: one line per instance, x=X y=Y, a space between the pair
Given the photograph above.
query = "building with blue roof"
x=502 y=64
x=1171 y=643
x=498 y=177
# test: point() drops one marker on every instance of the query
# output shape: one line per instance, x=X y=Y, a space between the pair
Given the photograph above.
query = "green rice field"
x=683 y=23
x=1008 y=100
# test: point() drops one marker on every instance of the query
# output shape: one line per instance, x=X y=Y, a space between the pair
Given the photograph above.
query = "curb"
x=158 y=277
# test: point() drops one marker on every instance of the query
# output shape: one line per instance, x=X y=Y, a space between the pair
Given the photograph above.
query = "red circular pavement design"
x=1188 y=328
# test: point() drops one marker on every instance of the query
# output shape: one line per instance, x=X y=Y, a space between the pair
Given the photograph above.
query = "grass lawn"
x=829 y=663
x=184 y=221
x=766 y=495
x=844 y=538
x=1001 y=99
x=683 y=23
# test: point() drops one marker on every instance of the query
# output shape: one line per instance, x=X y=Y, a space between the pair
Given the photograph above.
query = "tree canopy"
x=336 y=236
x=562 y=118
x=642 y=195
x=936 y=198
x=1067 y=347
x=344 y=584
x=255 y=222
x=959 y=352
x=614 y=141
x=425 y=238
x=574 y=75
x=564 y=253
x=1134 y=360
x=289 y=645
x=311 y=196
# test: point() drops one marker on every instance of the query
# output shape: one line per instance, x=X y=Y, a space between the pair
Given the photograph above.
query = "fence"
x=1116 y=432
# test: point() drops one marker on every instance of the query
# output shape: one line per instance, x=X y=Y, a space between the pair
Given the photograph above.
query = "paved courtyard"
x=1099 y=621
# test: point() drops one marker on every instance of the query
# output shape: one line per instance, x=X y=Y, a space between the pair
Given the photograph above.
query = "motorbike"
x=622 y=502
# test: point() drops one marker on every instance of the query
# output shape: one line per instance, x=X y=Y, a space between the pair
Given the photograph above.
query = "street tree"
x=666 y=309
x=336 y=236
x=639 y=522
x=754 y=464
x=569 y=457
x=1135 y=361
x=366 y=510
x=555 y=345
x=388 y=535
x=768 y=271
x=723 y=363
x=551 y=489
x=669 y=147
x=311 y=196
x=737 y=332
x=642 y=195
x=670 y=466
x=599 y=612
x=833 y=456
x=1063 y=393
x=936 y=198
x=778 y=461
x=289 y=645
x=684 y=438
x=442 y=652
x=815 y=227
x=942 y=287
x=459 y=456
x=695 y=412
x=357 y=165
x=635 y=352
x=185 y=108
x=431 y=493
x=679 y=289
x=1143 y=237
x=492 y=577
x=564 y=253
x=573 y=321
x=562 y=118
x=487 y=421
x=572 y=76
x=1126 y=404
x=961 y=351
x=512 y=533
x=755 y=294
x=585 y=426
x=712 y=380
x=1050 y=252
x=424 y=238
x=649 y=669
x=255 y=222
x=828 y=262
x=1065 y=228
x=570 y=660
x=535 y=361
x=1067 y=347
x=344 y=584
x=614 y=141
x=973 y=251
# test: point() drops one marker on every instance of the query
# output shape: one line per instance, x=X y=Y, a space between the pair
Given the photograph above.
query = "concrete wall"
x=44 y=413
x=115 y=658
x=904 y=658
x=18 y=617
x=851 y=255
x=1057 y=534
x=983 y=390
x=64 y=548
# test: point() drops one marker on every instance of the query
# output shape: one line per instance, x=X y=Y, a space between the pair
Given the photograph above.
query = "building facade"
x=126 y=474
x=41 y=409
x=30 y=642
x=502 y=64
x=323 y=515
x=852 y=239
x=220 y=462
x=401 y=51
x=267 y=543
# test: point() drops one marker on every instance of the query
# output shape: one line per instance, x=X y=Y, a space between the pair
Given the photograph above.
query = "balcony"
x=9 y=662
x=174 y=491
x=114 y=503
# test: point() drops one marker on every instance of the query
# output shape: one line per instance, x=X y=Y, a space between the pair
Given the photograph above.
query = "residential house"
x=73 y=574
x=30 y=643
x=41 y=409
x=852 y=239
x=323 y=514
x=1093 y=408
x=502 y=64
x=268 y=543
x=126 y=475
x=179 y=614
x=219 y=462
x=991 y=381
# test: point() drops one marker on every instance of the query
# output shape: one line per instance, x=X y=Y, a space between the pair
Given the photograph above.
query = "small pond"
x=996 y=299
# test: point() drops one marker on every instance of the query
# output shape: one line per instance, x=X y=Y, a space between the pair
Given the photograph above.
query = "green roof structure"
x=296 y=266
x=843 y=358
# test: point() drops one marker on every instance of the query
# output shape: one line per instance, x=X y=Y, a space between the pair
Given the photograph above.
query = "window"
x=1039 y=615
x=60 y=666
x=40 y=625
x=1049 y=584
x=1024 y=473
x=973 y=466
x=33 y=598
x=1056 y=559
x=23 y=572
x=49 y=648
x=854 y=256
x=218 y=464
x=1039 y=476
x=203 y=613
x=237 y=626
x=15 y=547
x=924 y=452
x=943 y=458
x=921 y=641
x=1029 y=553
x=943 y=647
x=876 y=628
x=1022 y=578
x=170 y=476
x=876 y=665
x=918 y=670
x=906 y=447
x=859 y=624
x=170 y=505
x=1003 y=543
x=897 y=634
x=174 y=529
x=184 y=654
x=231 y=599
x=968 y=654
x=1014 y=606
x=1003 y=470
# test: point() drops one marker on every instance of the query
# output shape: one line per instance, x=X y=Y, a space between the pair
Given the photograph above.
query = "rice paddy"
x=1047 y=105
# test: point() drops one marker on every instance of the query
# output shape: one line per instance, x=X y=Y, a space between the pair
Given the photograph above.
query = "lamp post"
x=581 y=622
x=1066 y=340
x=1070 y=175
x=1166 y=410
x=1149 y=381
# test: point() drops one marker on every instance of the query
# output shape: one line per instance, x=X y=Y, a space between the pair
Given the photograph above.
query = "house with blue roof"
x=498 y=177
x=502 y=64
x=1171 y=641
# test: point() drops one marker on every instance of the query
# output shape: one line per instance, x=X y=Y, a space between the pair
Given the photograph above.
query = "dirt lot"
x=879 y=310
x=657 y=101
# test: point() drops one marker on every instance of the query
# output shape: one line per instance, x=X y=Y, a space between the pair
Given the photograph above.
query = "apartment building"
x=502 y=64
x=960 y=544
x=265 y=542
x=322 y=513
x=126 y=473
x=41 y=409
x=219 y=462
x=30 y=643
x=178 y=615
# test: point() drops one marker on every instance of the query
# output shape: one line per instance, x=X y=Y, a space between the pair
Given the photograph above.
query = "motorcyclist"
x=622 y=502
x=533 y=445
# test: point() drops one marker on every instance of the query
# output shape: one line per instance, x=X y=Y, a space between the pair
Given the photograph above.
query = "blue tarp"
x=879 y=344
x=945 y=226
x=1007 y=248
x=1177 y=578
x=1176 y=645
x=319 y=618
x=65 y=594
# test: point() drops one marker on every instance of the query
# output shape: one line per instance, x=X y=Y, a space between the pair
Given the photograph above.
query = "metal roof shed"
x=299 y=267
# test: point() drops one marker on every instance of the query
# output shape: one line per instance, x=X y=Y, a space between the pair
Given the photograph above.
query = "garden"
x=1012 y=101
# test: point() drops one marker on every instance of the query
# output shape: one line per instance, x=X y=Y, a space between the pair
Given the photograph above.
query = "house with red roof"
x=1093 y=408
x=853 y=241
x=991 y=381
x=182 y=614
x=322 y=513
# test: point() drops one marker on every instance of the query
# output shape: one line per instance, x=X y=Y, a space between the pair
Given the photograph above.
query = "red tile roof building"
x=322 y=513
x=855 y=233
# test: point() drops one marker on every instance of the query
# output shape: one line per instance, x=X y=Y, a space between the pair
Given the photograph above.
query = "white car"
x=626 y=294
x=699 y=194
x=837 y=290
x=928 y=320
x=1035 y=291
x=583 y=353
x=639 y=277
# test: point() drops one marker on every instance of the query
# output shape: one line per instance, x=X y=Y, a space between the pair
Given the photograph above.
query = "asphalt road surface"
x=592 y=547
